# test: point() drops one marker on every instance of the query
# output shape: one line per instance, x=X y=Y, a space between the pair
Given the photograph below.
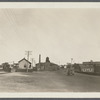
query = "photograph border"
x=49 y=94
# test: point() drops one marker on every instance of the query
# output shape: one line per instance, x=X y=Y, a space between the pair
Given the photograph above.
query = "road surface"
x=48 y=81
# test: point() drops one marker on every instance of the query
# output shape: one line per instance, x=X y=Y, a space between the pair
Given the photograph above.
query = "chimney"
x=39 y=58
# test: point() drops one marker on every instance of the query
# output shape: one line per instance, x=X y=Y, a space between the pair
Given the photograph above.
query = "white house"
x=24 y=64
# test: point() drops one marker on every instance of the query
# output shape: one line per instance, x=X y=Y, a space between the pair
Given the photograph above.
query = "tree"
x=6 y=67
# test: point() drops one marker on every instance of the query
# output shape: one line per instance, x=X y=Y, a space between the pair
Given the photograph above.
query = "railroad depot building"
x=24 y=64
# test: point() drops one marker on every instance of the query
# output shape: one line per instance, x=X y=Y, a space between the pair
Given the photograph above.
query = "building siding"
x=24 y=64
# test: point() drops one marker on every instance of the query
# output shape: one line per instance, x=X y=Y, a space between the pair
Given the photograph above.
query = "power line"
x=28 y=53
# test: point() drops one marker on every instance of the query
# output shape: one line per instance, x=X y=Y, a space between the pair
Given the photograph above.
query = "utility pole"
x=28 y=53
x=71 y=61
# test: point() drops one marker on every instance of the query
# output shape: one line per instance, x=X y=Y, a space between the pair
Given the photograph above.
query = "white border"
x=50 y=94
x=49 y=5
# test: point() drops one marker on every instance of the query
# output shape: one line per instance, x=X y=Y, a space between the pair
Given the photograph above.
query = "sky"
x=59 y=33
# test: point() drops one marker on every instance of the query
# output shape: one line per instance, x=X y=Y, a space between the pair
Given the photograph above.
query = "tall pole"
x=71 y=62
x=28 y=53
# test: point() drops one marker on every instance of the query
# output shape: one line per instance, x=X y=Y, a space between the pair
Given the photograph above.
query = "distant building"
x=47 y=66
x=87 y=68
x=84 y=68
x=24 y=64
x=95 y=64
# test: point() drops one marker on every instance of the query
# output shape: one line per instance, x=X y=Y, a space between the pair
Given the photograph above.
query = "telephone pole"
x=28 y=53
x=71 y=60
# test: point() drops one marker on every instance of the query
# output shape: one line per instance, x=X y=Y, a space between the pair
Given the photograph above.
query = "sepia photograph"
x=49 y=50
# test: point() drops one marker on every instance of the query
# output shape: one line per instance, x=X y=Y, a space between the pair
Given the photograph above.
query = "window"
x=24 y=66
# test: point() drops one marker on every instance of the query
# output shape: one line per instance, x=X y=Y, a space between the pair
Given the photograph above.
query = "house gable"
x=24 y=64
x=25 y=60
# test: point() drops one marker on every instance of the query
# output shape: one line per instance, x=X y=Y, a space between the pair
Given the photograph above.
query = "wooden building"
x=47 y=66
x=24 y=64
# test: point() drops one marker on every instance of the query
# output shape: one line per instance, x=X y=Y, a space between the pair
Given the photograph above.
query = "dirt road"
x=46 y=81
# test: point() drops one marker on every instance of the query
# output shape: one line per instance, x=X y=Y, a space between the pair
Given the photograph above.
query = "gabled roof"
x=25 y=60
x=51 y=64
x=41 y=63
